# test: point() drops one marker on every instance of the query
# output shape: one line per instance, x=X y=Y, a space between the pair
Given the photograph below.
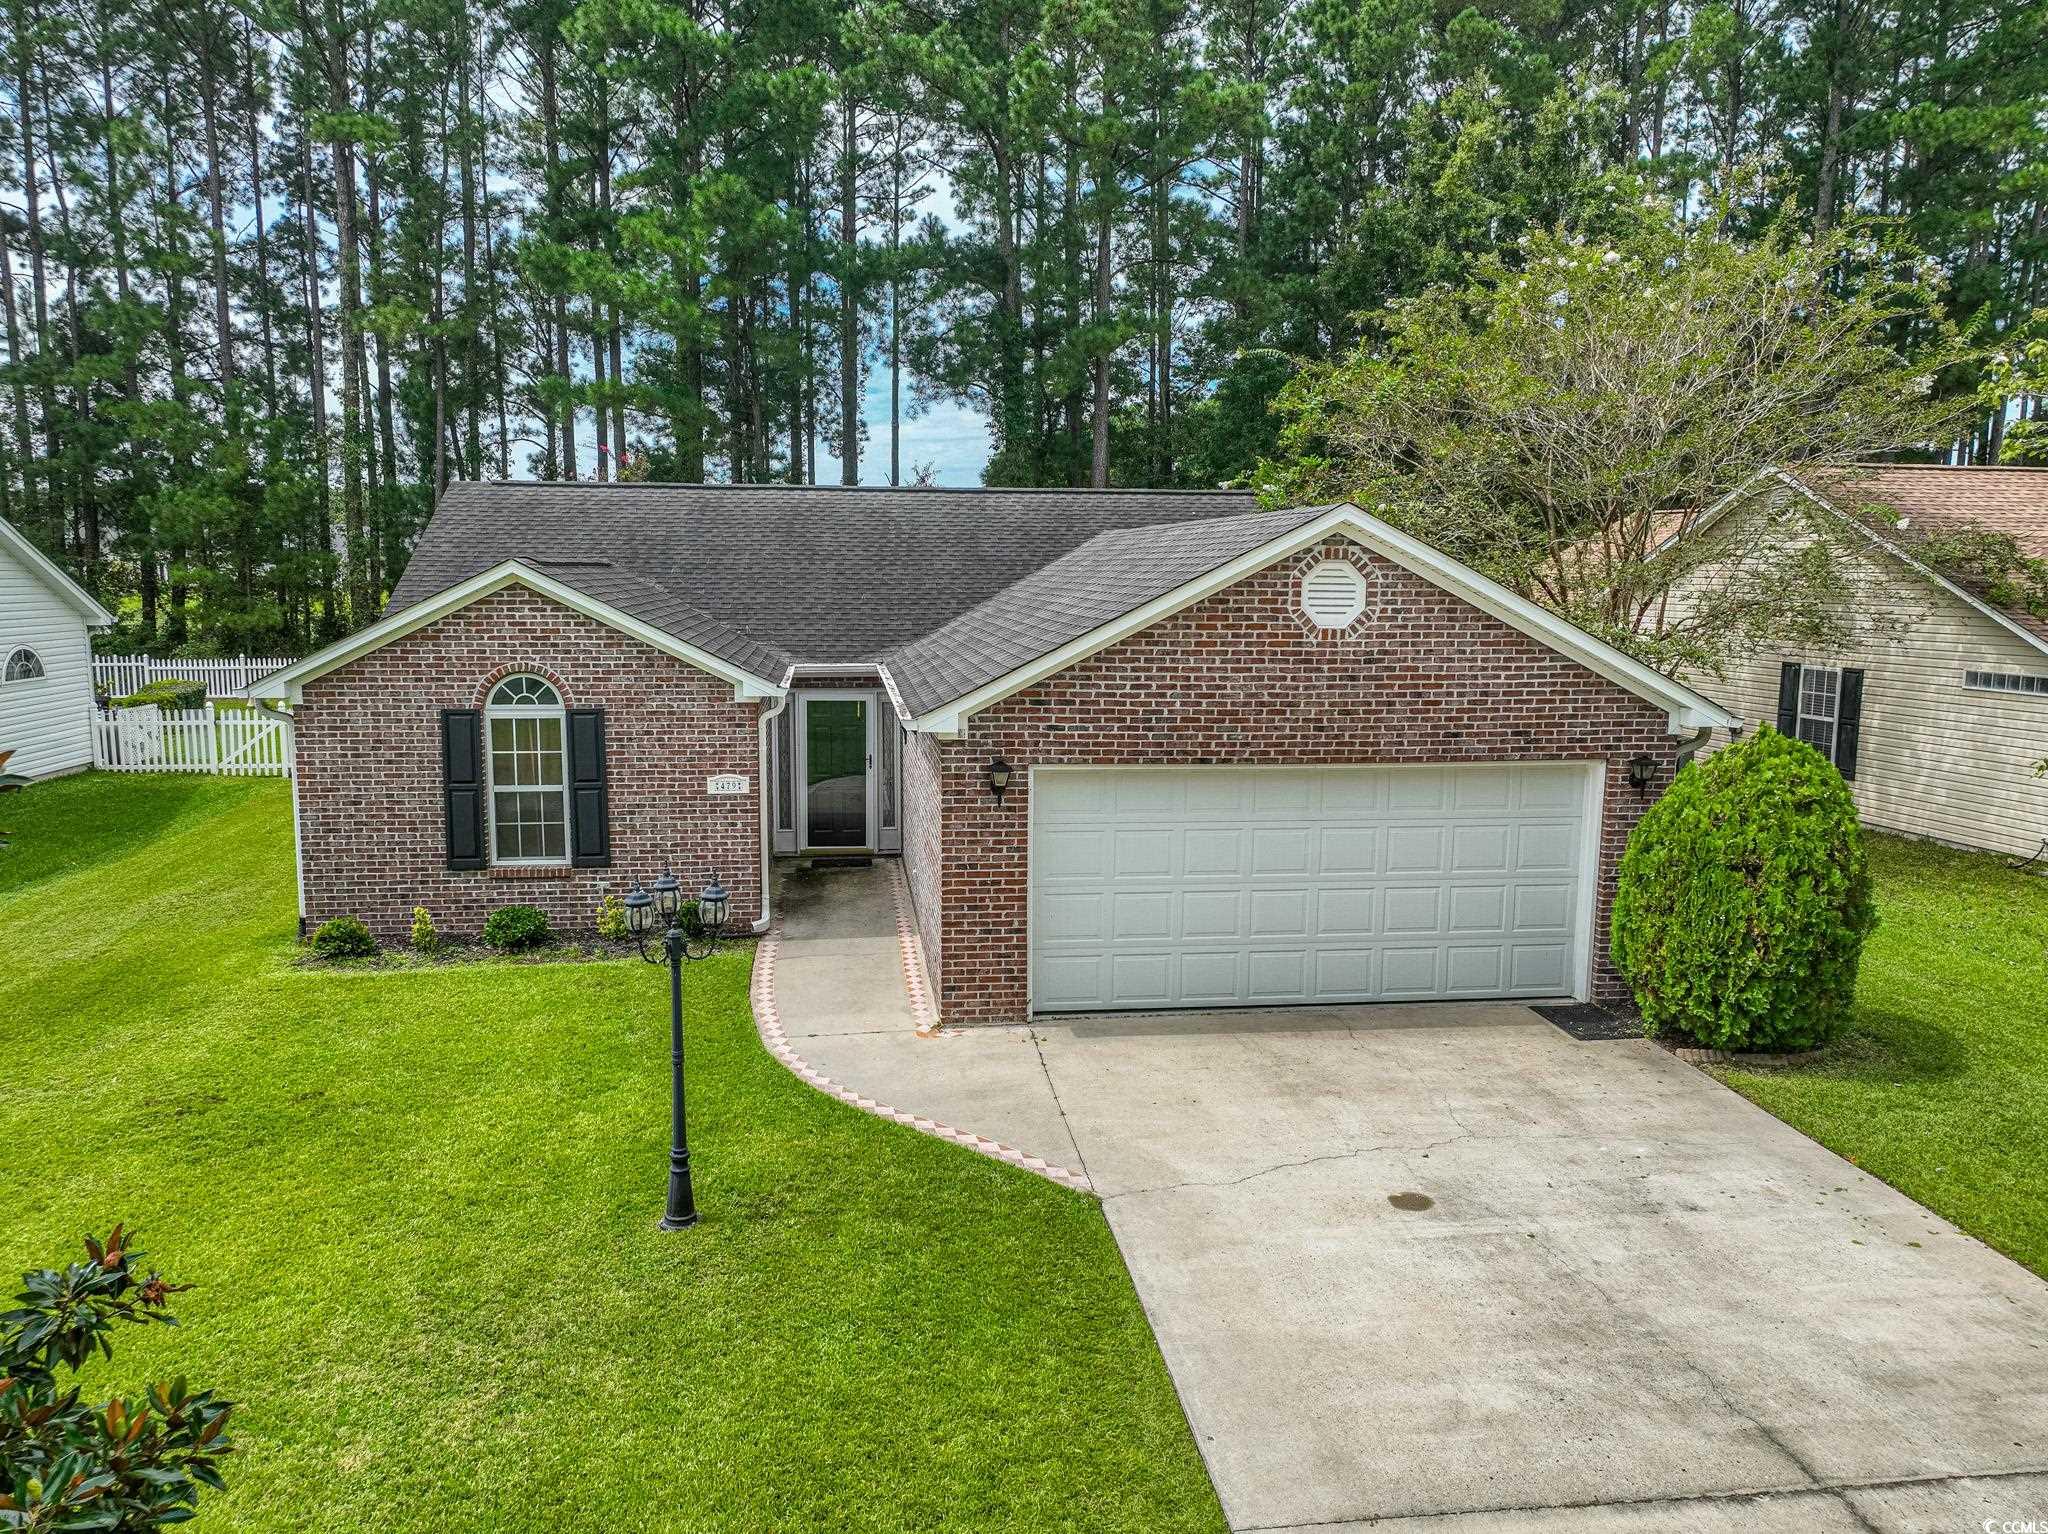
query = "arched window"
x=529 y=781
x=23 y=665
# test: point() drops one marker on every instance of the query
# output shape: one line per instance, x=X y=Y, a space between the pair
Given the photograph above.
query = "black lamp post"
x=642 y=911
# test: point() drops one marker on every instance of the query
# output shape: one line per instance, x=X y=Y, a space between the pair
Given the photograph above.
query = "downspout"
x=767 y=824
x=1687 y=749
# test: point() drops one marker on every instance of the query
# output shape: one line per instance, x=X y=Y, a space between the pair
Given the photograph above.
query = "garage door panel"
x=1410 y=972
x=1215 y=887
x=1144 y=854
x=1280 y=851
x=1479 y=908
x=1278 y=975
x=1070 y=855
x=1412 y=908
x=1552 y=846
x=1214 y=978
x=1071 y=914
x=1144 y=916
x=1141 y=979
x=1475 y=969
x=1480 y=849
x=1415 y=849
x=1543 y=905
x=1279 y=913
x=1348 y=850
x=1540 y=967
x=1347 y=912
x=1346 y=974
x=1212 y=852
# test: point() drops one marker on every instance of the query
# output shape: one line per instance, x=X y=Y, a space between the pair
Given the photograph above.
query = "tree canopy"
x=276 y=272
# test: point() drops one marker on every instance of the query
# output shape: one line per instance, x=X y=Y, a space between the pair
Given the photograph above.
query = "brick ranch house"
x=1136 y=749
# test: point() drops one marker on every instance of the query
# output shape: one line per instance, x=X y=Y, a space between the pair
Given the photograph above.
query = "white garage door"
x=1183 y=887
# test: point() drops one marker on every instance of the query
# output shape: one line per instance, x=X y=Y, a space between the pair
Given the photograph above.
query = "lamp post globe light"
x=646 y=911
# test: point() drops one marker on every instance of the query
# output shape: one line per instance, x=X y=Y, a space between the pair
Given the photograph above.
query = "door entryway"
x=835 y=769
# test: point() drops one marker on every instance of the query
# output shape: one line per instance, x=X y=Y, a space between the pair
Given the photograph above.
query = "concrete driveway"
x=1446 y=1265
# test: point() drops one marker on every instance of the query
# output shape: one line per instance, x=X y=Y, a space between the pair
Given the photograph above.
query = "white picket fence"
x=235 y=742
x=119 y=675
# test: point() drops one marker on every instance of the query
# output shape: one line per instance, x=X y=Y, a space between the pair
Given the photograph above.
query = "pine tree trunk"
x=849 y=292
x=1099 y=467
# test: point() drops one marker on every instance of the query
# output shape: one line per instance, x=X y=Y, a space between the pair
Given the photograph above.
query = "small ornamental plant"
x=513 y=928
x=345 y=937
x=424 y=938
x=131 y=1464
x=1745 y=899
x=611 y=919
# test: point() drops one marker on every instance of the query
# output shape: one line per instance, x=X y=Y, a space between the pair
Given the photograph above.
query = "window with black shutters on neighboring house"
x=1823 y=706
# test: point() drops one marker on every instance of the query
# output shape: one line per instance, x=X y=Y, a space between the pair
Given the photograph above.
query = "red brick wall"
x=371 y=831
x=1237 y=678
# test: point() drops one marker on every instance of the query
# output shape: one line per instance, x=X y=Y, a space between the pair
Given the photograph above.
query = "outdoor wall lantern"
x=1641 y=769
x=998 y=778
x=645 y=911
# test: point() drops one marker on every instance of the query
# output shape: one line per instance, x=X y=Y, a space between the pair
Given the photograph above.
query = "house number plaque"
x=726 y=783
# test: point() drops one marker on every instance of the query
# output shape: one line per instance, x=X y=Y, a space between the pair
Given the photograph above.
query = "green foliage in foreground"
x=423 y=1201
x=516 y=927
x=127 y=1465
x=1744 y=900
x=1937 y=1084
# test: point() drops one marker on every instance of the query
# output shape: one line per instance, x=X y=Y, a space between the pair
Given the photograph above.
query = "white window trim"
x=1973 y=680
x=557 y=711
x=42 y=671
x=1833 y=721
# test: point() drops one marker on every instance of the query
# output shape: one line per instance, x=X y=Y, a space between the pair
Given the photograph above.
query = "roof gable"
x=45 y=570
x=670 y=636
x=1059 y=616
x=1849 y=492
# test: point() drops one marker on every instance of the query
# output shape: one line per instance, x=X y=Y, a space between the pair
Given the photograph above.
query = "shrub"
x=514 y=927
x=611 y=919
x=344 y=938
x=424 y=938
x=1744 y=900
x=132 y=1464
x=169 y=692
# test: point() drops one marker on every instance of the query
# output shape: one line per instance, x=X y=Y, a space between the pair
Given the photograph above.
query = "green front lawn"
x=419 y=1208
x=1939 y=1088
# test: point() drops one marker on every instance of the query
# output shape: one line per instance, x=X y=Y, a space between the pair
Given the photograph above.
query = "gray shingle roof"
x=763 y=575
x=1111 y=574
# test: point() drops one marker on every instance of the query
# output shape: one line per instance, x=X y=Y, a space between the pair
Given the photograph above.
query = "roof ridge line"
x=692 y=484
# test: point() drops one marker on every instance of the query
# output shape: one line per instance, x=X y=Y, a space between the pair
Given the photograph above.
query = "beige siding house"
x=1938 y=710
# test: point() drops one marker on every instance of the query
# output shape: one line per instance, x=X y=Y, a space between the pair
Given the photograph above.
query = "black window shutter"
x=590 y=815
x=1849 y=722
x=462 y=785
x=1788 y=698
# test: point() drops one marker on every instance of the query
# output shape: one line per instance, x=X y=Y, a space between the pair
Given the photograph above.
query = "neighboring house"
x=1938 y=712
x=46 y=702
x=1136 y=749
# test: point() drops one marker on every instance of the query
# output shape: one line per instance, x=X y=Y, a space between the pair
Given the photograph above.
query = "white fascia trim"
x=41 y=566
x=1689 y=711
x=287 y=684
x=1876 y=540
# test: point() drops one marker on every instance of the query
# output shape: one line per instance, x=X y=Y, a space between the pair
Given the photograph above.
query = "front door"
x=837 y=752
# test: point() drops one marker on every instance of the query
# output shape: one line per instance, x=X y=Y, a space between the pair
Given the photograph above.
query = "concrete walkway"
x=1442 y=1268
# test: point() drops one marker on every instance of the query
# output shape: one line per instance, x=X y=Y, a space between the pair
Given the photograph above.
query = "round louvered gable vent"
x=1333 y=594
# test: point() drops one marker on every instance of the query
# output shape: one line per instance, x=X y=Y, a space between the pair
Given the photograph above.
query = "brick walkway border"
x=768 y=1021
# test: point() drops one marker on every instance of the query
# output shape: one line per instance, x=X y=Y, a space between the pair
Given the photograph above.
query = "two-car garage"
x=1267 y=886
